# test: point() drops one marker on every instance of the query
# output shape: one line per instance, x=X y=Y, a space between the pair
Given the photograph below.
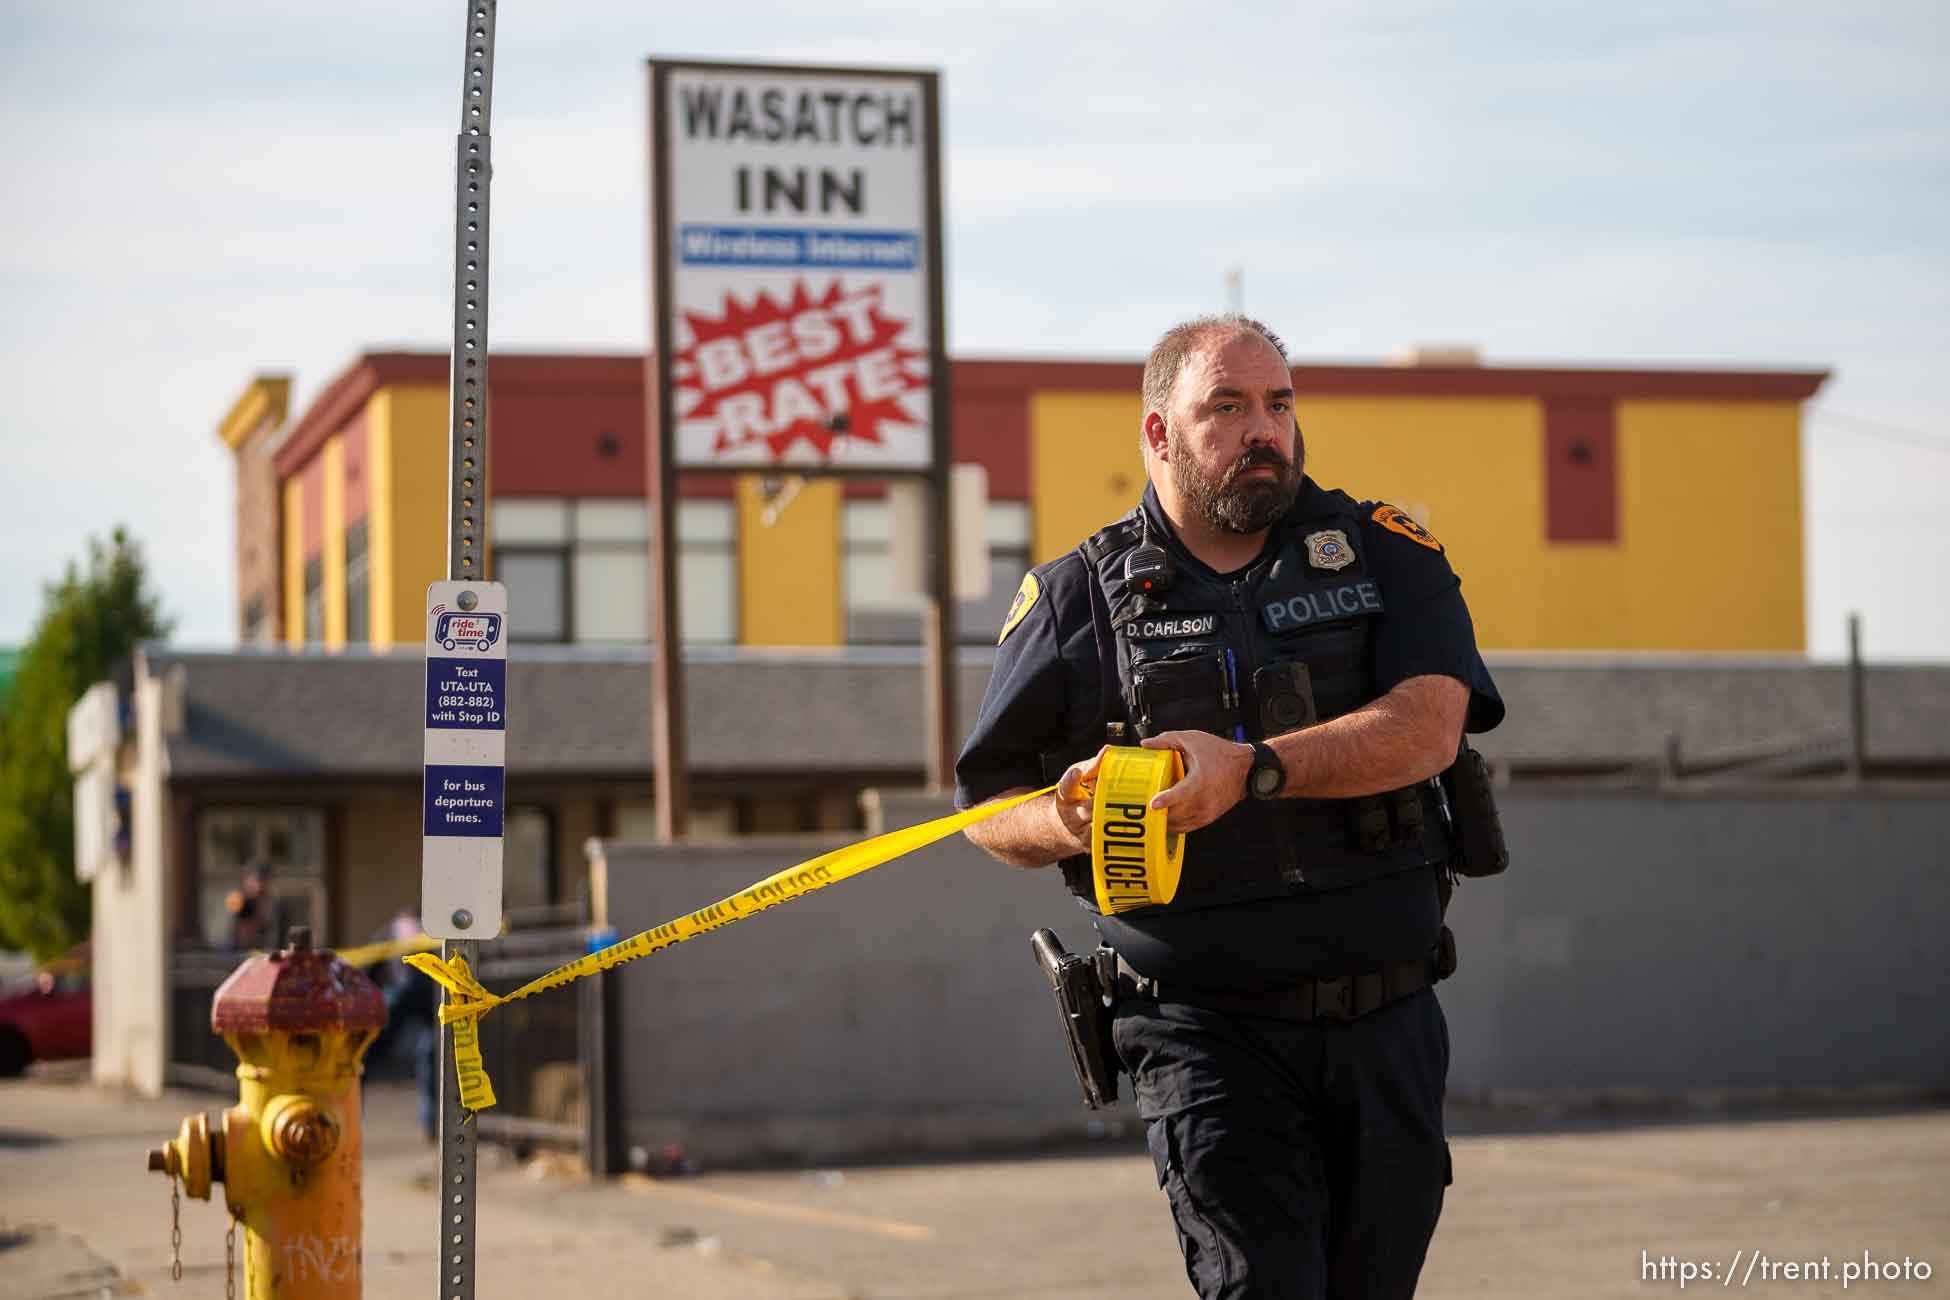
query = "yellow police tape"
x=1123 y=881
x=367 y=954
x=371 y=954
x=1134 y=860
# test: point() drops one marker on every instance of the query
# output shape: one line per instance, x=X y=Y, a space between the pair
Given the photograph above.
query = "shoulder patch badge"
x=1396 y=520
x=1329 y=550
x=1025 y=600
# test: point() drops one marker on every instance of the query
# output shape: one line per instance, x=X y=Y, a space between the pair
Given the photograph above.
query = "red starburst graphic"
x=821 y=368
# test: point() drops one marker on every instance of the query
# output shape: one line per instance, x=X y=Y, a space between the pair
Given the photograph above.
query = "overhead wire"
x=1880 y=429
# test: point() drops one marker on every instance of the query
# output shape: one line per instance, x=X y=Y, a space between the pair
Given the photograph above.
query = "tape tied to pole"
x=1128 y=881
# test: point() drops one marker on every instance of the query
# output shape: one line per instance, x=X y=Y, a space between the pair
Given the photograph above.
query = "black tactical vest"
x=1281 y=645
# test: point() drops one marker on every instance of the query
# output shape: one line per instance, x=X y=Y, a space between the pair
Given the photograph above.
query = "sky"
x=194 y=193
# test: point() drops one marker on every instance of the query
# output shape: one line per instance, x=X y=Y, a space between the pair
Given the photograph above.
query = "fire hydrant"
x=290 y=1153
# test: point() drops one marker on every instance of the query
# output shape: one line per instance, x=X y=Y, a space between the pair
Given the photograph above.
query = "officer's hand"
x=1214 y=780
x=1073 y=795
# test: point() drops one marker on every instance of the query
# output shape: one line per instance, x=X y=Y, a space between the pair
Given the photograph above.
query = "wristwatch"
x=1267 y=776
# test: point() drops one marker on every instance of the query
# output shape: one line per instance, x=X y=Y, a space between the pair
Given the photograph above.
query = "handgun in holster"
x=1080 y=989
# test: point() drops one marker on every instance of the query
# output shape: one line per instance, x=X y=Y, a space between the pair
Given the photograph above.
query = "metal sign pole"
x=940 y=702
x=467 y=518
x=669 y=748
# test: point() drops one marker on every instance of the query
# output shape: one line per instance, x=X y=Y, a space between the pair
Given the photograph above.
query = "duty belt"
x=1344 y=997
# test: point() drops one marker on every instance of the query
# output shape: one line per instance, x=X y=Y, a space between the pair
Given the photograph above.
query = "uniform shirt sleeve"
x=1022 y=710
x=1424 y=628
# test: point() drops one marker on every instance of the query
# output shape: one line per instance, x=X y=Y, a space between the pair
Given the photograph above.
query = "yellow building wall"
x=407 y=426
x=789 y=573
x=332 y=538
x=381 y=630
x=293 y=532
x=1471 y=469
x=1086 y=465
x=1710 y=526
x=1691 y=571
x=1433 y=457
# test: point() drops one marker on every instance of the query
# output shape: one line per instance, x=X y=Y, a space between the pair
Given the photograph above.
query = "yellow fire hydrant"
x=290 y=1153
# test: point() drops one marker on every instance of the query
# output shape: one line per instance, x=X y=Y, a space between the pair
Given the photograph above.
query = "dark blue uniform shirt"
x=1048 y=656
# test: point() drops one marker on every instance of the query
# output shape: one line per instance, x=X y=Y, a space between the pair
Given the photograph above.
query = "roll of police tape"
x=1134 y=860
x=1140 y=866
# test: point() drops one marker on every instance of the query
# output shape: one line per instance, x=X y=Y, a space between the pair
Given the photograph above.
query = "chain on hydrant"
x=175 y=1230
x=289 y=1154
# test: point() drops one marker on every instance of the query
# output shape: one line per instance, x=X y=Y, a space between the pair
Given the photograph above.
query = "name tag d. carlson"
x=1154 y=629
x=1349 y=600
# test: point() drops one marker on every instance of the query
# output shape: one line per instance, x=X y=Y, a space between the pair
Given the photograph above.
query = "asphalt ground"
x=1597 y=1211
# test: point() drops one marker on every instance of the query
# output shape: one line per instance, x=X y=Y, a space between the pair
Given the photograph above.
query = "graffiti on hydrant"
x=307 y=1256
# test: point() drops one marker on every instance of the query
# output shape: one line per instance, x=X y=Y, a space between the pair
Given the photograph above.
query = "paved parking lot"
x=1585 y=1213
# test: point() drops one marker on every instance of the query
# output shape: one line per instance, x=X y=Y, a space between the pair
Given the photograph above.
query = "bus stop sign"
x=466 y=755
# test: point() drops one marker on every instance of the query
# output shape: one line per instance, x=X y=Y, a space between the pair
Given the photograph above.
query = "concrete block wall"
x=1747 y=942
x=897 y=1011
x=1642 y=943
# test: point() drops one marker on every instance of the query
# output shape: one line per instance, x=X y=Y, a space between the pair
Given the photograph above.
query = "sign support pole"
x=467 y=533
x=668 y=756
x=938 y=637
x=939 y=630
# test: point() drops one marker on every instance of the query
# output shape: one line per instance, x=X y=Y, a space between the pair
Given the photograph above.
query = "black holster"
x=1479 y=846
x=1081 y=989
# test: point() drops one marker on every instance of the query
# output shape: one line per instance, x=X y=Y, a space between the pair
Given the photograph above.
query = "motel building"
x=1637 y=605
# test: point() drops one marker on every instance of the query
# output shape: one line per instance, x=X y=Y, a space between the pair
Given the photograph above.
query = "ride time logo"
x=822 y=369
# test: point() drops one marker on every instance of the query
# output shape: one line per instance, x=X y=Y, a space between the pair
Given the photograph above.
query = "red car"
x=48 y=1018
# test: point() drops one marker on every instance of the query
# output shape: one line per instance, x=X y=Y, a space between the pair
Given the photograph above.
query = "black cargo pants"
x=1303 y=1160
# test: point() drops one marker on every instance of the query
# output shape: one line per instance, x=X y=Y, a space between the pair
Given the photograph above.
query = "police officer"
x=1311 y=659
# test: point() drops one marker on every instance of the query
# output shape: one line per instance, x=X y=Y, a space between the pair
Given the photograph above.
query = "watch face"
x=1266 y=780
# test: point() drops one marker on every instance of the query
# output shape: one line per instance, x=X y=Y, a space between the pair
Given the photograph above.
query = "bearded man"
x=1310 y=657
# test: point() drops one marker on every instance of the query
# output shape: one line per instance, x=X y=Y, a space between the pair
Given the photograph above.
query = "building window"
x=538 y=593
x=978 y=621
x=358 y=586
x=580 y=570
x=610 y=572
x=528 y=861
x=290 y=843
x=315 y=600
x=707 y=571
x=878 y=615
x=531 y=555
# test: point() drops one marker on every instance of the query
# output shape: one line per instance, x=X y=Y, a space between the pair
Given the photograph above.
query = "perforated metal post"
x=467 y=557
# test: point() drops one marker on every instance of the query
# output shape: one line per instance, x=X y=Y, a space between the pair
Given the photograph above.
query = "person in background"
x=411 y=1035
x=256 y=921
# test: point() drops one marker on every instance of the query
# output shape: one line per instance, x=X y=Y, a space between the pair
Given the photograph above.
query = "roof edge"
x=263 y=402
x=350 y=390
x=353 y=387
x=1358 y=379
x=344 y=397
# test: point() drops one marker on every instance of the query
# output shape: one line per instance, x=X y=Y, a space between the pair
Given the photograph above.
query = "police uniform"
x=1277 y=1017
